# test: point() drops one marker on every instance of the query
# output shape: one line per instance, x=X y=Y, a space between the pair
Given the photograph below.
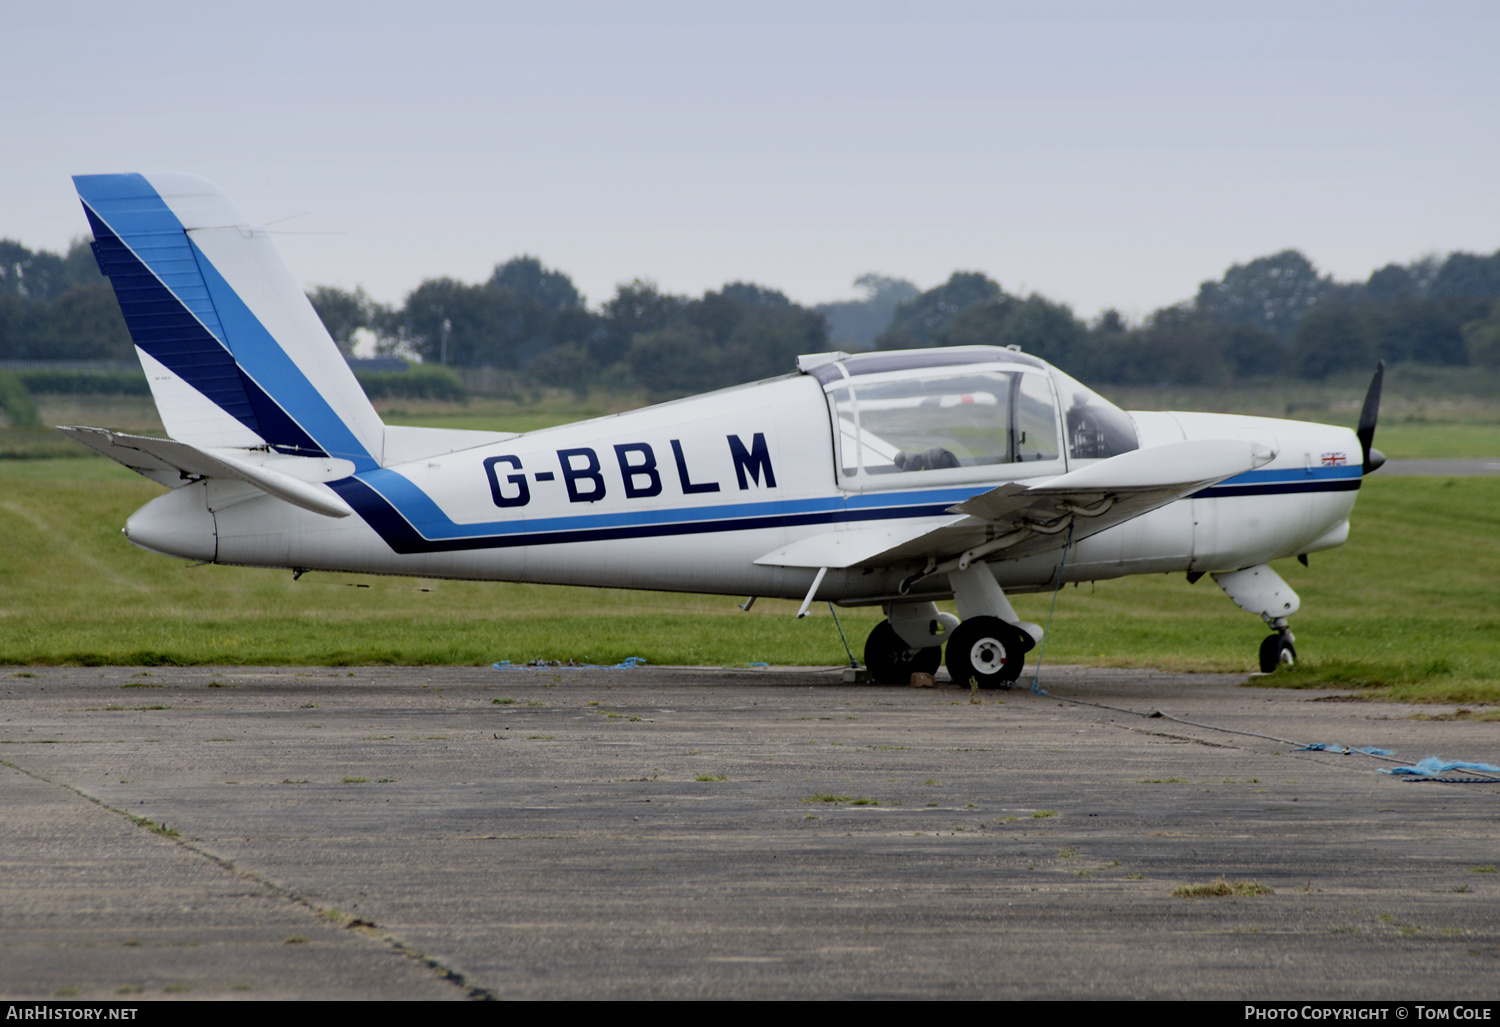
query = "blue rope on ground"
x=1430 y=767
x=1368 y=750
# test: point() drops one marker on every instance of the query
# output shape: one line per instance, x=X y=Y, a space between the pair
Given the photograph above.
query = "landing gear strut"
x=1260 y=590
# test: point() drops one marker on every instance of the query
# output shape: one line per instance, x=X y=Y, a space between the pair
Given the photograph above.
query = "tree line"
x=1273 y=317
x=1276 y=316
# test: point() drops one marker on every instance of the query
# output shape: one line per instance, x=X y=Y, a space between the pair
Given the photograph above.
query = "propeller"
x=1366 y=431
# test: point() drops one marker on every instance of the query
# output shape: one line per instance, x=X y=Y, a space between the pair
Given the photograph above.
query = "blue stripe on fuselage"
x=398 y=533
x=1280 y=483
x=410 y=522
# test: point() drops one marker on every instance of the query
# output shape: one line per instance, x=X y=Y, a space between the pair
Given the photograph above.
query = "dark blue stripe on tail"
x=162 y=325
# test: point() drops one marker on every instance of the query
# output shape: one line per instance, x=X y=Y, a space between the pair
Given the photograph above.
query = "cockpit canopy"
x=947 y=411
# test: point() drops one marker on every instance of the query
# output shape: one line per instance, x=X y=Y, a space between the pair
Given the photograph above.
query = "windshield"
x=1096 y=427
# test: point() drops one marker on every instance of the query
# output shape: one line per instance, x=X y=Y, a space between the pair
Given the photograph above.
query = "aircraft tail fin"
x=235 y=353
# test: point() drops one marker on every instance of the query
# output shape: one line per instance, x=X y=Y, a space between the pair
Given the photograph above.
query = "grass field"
x=1409 y=609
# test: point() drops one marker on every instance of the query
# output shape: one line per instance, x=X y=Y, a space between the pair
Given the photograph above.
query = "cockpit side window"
x=1036 y=419
x=944 y=423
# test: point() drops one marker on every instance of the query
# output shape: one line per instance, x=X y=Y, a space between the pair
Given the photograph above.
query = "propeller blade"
x=1373 y=458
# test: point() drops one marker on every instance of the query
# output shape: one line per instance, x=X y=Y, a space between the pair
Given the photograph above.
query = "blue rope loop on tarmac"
x=1431 y=767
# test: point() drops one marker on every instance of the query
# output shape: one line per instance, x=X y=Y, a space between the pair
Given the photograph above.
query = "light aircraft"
x=896 y=479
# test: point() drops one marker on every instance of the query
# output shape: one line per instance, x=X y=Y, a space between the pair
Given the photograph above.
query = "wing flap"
x=850 y=547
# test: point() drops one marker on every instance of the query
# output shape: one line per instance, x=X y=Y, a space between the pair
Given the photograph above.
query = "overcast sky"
x=1105 y=154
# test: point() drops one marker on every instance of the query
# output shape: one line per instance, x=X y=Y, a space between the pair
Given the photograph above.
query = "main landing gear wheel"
x=1276 y=651
x=891 y=661
x=988 y=651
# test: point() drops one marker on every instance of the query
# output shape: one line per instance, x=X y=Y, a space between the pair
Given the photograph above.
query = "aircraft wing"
x=171 y=463
x=1019 y=519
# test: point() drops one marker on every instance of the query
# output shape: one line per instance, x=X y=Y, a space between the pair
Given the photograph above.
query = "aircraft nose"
x=1376 y=459
x=176 y=524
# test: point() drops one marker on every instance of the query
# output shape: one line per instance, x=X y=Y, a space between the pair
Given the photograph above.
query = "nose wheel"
x=1277 y=651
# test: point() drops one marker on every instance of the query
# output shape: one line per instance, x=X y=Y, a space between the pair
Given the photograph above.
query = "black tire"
x=891 y=661
x=1276 y=651
x=988 y=651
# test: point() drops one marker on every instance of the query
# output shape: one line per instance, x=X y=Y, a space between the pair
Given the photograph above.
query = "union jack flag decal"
x=1334 y=460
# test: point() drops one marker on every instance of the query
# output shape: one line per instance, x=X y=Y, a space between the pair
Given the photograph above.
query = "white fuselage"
x=685 y=496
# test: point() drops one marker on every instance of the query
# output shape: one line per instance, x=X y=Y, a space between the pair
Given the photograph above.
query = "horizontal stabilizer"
x=288 y=478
